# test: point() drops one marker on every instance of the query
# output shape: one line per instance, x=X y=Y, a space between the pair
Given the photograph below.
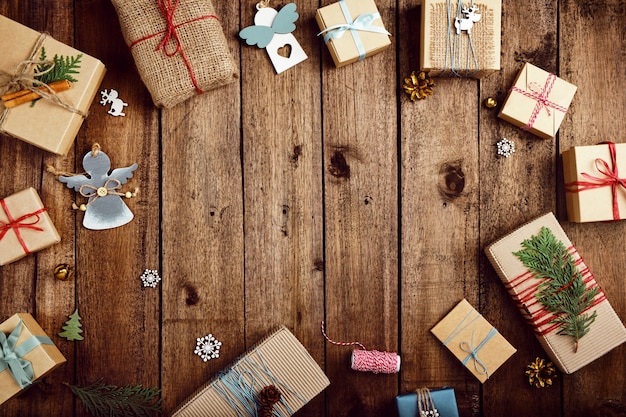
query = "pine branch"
x=563 y=291
x=103 y=400
x=64 y=67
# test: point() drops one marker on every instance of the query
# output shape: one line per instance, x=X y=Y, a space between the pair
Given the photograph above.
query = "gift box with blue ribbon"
x=423 y=402
x=26 y=355
x=352 y=30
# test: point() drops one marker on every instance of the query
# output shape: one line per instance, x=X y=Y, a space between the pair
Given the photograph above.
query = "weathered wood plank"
x=514 y=190
x=439 y=247
x=361 y=222
x=593 y=32
x=120 y=318
x=282 y=162
x=202 y=231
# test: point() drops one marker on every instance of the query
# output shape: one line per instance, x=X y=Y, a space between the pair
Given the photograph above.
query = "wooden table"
x=318 y=194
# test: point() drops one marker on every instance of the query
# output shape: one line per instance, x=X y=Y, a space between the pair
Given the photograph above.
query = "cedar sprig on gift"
x=61 y=68
x=418 y=86
x=266 y=399
x=102 y=400
x=562 y=291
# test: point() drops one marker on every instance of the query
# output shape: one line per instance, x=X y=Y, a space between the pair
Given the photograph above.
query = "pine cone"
x=268 y=396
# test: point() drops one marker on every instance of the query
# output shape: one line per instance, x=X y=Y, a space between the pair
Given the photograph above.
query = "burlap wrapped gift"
x=179 y=51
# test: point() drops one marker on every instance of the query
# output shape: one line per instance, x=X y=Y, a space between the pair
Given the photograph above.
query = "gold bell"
x=490 y=102
x=63 y=272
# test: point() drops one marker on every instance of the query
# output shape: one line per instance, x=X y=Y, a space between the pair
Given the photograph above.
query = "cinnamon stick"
x=24 y=96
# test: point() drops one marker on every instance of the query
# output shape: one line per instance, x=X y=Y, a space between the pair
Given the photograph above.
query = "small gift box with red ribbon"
x=25 y=226
x=352 y=30
x=527 y=281
x=595 y=190
x=473 y=340
x=33 y=67
x=27 y=354
x=178 y=46
x=538 y=101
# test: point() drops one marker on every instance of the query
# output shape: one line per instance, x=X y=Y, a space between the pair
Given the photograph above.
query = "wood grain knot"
x=319 y=265
x=452 y=180
x=191 y=295
x=339 y=167
x=297 y=152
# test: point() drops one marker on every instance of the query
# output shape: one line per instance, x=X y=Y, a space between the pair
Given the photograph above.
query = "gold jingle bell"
x=490 y=102
x=63 y=272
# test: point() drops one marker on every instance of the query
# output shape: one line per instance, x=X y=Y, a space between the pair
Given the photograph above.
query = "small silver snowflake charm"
x=506 y=147
x=208 y=347
x=430 y=413
x=150 y=278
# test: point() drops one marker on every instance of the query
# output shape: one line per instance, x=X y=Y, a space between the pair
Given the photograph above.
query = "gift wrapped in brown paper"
x=179 y=47
x=25 y=226
x=594 y=191
x=473 y=340
x=36 y=66
x=281 y=361
x=26 y=355
x=509 y=257
x=461 y=39
x=537 y=101
x=352 y=30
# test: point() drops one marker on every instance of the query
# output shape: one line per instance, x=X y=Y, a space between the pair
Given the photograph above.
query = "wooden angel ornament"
x=272 y=31
x=105 y=208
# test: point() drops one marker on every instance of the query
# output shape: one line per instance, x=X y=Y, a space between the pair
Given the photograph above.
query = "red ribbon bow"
x=168 y=10
x=611 y=178
x=541 y=96
x=19 y=223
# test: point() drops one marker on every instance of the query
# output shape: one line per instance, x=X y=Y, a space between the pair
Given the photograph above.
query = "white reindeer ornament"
x=470 y=16
x=117 y=104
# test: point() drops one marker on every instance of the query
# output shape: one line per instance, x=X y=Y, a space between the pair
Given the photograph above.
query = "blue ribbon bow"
x=361 y=23
x=469 y=348
x=11 y=357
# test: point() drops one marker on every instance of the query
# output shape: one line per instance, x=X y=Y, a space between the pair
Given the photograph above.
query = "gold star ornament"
x=418 y=86
x=540 y=373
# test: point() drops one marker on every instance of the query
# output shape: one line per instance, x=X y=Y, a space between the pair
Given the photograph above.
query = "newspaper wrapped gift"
x=594 y=191
x=441 y=401
x=606 y=332
x=279 y=360
x=353 y=30
x=25 y=226
x=26 y=355
x=51 y=123
x=537 y=101
x=179 y=47
x=459 y=38
x=473 y=340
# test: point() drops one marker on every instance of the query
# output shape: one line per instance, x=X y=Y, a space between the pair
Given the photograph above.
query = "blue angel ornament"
x=105 y=208
x=272 y=31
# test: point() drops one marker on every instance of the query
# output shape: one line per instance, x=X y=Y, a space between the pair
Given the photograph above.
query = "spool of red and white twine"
x=374 y=361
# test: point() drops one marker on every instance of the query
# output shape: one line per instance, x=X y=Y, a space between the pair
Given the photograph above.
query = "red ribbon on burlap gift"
x=168 y=10
x=540 y=94
x=20 y=223
x=611 y=178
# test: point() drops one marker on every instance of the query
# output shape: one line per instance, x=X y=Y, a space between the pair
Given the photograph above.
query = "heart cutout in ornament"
x=284 y=51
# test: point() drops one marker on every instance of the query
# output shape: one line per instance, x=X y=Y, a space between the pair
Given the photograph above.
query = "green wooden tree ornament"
x=72 y=328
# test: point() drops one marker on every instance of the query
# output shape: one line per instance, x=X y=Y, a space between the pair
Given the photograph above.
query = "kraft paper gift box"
x=442 y=400
x=35 y=355
x=537 y=101
x=473 y=340
x=352 y=30
x=279 y=360
x=606 y=332
x=47 y=124
x=593 y=190
x=25 y=226
x=179 y=52
x=444 y=50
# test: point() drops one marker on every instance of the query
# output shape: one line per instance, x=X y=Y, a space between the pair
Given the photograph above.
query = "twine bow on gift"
x=20 y=223
x=472 y=351
x=540 y=95
x=611 y=178
x=168 y=11
x=361 y=23
x=12 y=357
